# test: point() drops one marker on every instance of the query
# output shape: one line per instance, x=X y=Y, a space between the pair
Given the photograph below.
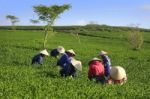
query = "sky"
x=108 y=12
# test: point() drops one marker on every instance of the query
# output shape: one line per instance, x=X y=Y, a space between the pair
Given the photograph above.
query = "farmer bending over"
x=65 y=62
x=38 y=59
x=106 y=62
x=96 y=70
x=57 y=51
x=117 y=75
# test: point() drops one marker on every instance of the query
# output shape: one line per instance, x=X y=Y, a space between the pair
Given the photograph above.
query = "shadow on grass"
x=49 y=74
x=27 y=47
x=18 y=63
x=147 y=42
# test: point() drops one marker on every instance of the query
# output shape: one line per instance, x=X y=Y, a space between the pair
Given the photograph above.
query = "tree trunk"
x=48 y=28
x=13 y=27
x=45 y=37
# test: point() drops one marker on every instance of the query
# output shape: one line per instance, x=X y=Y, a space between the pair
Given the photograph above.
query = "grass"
x=19 y=79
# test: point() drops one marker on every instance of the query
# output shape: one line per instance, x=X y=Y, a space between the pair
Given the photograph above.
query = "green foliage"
x=20 y=79
x=102 y=28
x=49 y=14
x=13 y=20
x=135 y=38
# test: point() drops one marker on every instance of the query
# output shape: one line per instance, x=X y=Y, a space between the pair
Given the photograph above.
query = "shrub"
x=135 y=38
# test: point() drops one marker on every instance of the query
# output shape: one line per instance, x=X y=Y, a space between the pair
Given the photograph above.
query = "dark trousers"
x=100 y=79
x=68 y=71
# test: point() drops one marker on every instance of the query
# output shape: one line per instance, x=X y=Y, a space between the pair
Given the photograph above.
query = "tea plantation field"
x=19 y=79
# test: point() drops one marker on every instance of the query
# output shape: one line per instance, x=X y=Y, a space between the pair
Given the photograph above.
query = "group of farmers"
x=99 y=69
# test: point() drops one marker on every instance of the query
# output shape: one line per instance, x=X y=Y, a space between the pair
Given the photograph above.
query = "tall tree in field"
x=13 y=20
x=49 y=14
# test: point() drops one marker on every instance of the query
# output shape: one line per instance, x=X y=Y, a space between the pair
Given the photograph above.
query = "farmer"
x=57 y=51
x=106 y=62
x=65 y=61
x=96 y=70
x=117 y=75
x=71 y=68
x=38 y=59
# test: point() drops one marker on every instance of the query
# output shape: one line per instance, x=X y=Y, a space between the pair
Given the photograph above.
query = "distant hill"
x=89 y=27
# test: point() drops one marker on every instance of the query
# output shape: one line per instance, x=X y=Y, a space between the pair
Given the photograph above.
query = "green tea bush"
x=135 y=38
x=20 y=79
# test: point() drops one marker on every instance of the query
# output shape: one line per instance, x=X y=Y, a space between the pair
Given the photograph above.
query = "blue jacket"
x=37 y=59
x=67 y=68
x=106 y=60
x=107 y=64
x=64 y=60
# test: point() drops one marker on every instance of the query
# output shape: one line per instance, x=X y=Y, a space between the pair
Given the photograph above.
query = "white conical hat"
x=102 y=53
x=61 y=49
x=77 y=64
x=71 y=51
x=117 y=73
x=95 y=58
x=44 y=52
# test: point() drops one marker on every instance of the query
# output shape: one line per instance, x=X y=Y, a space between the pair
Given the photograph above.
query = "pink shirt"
x=96 y=68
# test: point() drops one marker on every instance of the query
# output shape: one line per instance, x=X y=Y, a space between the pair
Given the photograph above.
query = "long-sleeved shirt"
x=64 y=59
x=65 y=63
x=68 y=70
x=107 y=64
x=96 y=68
x=37 y=59
x=106 y=60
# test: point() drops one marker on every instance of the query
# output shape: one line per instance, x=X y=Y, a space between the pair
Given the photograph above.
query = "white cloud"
x=145 y=7
x=82 y=22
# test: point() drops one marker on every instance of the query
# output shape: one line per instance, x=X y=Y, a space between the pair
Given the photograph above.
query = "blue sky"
x=109 y=12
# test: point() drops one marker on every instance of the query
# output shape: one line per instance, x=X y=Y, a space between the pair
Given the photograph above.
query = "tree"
x=49 y=14
x=34 y=21
x=76 y=32
x=135 y=38
x=13 y=20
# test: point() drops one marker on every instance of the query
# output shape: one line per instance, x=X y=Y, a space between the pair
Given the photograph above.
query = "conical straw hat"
x=117 y=73
x=61 y=49
x=102 y=53
x=77 y=64
x=95 y=58
x=44 y=52
x=71 y=51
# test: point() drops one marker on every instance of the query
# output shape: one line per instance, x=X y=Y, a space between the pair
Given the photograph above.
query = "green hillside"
x=20 y=79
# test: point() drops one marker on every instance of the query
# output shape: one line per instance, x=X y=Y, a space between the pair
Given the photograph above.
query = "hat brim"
x=117 y=73
x=71 y=53
x=61 y=51
x=96 y=59
x=103 y=53
x=77 y=64
x=44 y=52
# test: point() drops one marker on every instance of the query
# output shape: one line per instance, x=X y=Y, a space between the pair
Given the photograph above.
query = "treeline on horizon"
x=72 y=28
